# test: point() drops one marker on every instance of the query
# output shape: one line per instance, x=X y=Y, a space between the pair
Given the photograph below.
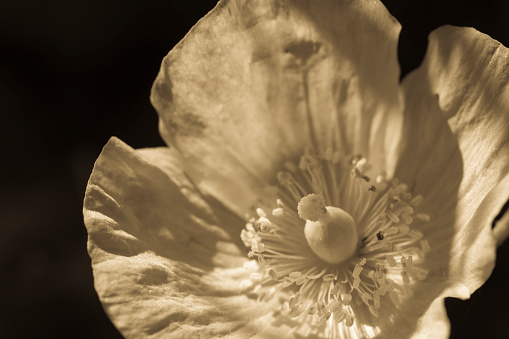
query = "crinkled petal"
x=462 y=89
x=166 y=259
x=254 y=82
x=456 y=153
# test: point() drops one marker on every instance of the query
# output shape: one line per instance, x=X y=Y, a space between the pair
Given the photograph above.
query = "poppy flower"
x=305 y=192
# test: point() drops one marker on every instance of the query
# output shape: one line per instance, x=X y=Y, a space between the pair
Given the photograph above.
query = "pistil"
x=337 y=245
x=329 y=231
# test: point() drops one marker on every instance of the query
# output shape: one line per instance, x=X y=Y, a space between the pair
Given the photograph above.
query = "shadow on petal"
x=236 y=103
x=134 y=203
x=166 y=259
x=453 y=159
x=430 y=163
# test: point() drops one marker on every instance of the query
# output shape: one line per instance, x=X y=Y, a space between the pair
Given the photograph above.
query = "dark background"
x=72 y=74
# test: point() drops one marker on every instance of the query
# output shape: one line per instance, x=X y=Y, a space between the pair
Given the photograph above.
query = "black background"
x=72 y=74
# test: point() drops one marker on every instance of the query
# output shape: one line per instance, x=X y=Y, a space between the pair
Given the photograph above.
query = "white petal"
x=434 y=324
x=456 y=154
x=253 y=83
x=166 y=260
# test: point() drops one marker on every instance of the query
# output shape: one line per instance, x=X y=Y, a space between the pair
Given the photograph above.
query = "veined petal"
x=470 y=73
x=456 y=154
x=253 y=83
x=464 y=82
x=165 y=258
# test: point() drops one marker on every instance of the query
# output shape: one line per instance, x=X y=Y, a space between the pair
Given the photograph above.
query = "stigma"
x=329 y=231
x=335 y=245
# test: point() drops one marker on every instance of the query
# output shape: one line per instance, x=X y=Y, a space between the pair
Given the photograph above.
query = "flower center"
x=337 y=246
x=329 y=231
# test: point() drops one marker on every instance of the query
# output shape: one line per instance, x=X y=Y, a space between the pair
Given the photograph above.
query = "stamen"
x=277 y=212
x=307 y=247
x=272 y=274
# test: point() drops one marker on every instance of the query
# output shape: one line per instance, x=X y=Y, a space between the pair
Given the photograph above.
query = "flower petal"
x=464 y=76
x=434 y=324
x=425 y=316
x=138 y=201
x=166 y=260
x=253 y=83
x=501 y=229
x=456 y=153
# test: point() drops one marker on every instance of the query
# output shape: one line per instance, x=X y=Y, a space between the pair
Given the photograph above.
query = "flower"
x=367 y=201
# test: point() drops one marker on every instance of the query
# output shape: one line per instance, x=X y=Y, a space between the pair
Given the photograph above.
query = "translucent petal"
x=253 y=83
x=166 y=259
x=456 y=154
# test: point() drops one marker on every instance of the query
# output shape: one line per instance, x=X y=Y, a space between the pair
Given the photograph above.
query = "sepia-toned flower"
x=305 y=191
